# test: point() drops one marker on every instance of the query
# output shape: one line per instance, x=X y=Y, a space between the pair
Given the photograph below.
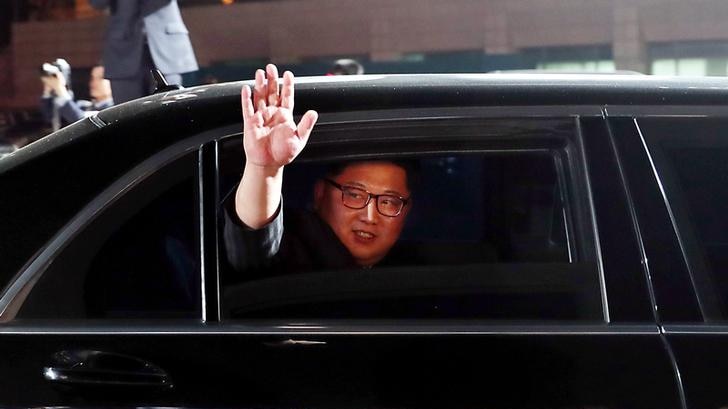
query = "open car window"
x=498 y=229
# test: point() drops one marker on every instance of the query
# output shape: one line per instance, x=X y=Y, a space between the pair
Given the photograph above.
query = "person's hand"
x=271 y=138
x=47 y=89
x=54 y=84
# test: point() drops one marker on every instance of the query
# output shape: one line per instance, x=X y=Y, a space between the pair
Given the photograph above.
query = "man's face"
x=366 y=233
x=98 y=87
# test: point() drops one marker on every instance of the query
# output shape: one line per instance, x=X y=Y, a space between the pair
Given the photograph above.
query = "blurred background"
x=233 y=37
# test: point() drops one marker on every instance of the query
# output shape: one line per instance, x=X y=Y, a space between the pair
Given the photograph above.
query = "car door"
x=132 y=304
x=679 y=162
x=529 y=333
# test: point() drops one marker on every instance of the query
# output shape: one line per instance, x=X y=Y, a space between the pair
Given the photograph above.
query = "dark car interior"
x=138 y=259
x=694 y=174
x=499 y=207
x=484 y=226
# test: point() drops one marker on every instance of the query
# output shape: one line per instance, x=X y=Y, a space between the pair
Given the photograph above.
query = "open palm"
x=271 y=137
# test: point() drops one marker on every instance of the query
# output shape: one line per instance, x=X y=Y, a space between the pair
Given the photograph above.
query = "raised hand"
x=55 y=84
x=271 y=138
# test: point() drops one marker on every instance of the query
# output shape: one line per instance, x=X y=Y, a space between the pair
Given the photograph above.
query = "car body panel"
x=62 y=182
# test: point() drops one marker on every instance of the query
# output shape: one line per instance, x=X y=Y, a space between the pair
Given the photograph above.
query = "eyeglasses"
x=356 y=198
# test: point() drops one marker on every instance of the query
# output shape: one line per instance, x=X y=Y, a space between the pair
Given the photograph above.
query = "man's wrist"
x=62 y=92
x=252 y=169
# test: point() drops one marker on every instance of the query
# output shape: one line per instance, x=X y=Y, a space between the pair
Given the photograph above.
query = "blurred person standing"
x=144 y=35
x=57 y=103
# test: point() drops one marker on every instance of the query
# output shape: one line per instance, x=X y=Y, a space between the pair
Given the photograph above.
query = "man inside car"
x=359 y=208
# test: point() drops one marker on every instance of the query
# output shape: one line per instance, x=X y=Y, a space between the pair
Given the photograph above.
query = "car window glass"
x=691 y=164
x=136 y=259
x=492 y=233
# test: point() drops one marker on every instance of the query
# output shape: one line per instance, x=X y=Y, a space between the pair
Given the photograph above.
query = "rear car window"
x=497 y=230
x=692 y=164
x=138 y=258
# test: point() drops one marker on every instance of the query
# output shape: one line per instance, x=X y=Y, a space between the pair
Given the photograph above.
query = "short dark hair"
x=410 y=167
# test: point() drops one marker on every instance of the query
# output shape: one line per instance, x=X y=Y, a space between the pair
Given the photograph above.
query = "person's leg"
x=126 y=89
x=141 y=84
x=137 y=86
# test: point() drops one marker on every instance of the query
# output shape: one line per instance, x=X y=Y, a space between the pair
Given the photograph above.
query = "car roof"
x=369 y=92
x=176 y=114
x=187 y=111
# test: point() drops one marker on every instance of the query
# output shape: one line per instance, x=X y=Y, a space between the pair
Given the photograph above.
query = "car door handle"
x=294 y=343
x=89 y=367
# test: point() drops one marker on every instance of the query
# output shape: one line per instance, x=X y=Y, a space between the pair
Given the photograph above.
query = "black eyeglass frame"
x=370 y=195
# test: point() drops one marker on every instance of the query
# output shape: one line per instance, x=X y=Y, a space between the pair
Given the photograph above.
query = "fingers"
x=266 y=93
x=272 y=73
x=305 y=125
x=287 y=91
x=246 y=103
x=259 y=93
x=250 y=116
x=266 y=97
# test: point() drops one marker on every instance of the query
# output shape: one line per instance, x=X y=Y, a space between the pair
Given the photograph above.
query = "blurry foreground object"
x=347 y=66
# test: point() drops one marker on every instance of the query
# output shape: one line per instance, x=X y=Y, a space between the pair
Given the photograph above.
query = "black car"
x=567 y=248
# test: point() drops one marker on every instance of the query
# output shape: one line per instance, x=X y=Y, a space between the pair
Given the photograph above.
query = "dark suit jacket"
x=159 y=23
x=308 y=244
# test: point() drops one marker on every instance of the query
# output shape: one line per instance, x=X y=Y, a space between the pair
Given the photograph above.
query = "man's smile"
x=364 y=235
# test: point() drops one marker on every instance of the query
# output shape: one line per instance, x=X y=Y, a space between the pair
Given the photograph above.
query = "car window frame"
x=209 y=140
x=16 y=292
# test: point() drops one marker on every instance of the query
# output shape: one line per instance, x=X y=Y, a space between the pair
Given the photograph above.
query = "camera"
x=49 y=70
x=56 y=67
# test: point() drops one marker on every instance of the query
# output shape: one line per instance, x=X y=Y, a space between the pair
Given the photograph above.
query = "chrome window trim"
x=695 y=329
x=354 y=327
x=201 y=226
x=677 y=111
x=593 y=219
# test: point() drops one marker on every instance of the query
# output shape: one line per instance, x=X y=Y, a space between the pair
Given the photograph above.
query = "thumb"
x=305 y=125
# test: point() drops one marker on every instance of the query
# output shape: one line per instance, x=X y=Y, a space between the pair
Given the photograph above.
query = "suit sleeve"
x=70 y=111
x=247 y=248
x=46 y=109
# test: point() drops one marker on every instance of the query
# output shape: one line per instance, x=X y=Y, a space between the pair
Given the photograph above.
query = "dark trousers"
x=140 y=84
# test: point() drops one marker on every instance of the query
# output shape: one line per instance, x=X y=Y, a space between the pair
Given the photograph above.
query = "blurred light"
x=227 y=2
